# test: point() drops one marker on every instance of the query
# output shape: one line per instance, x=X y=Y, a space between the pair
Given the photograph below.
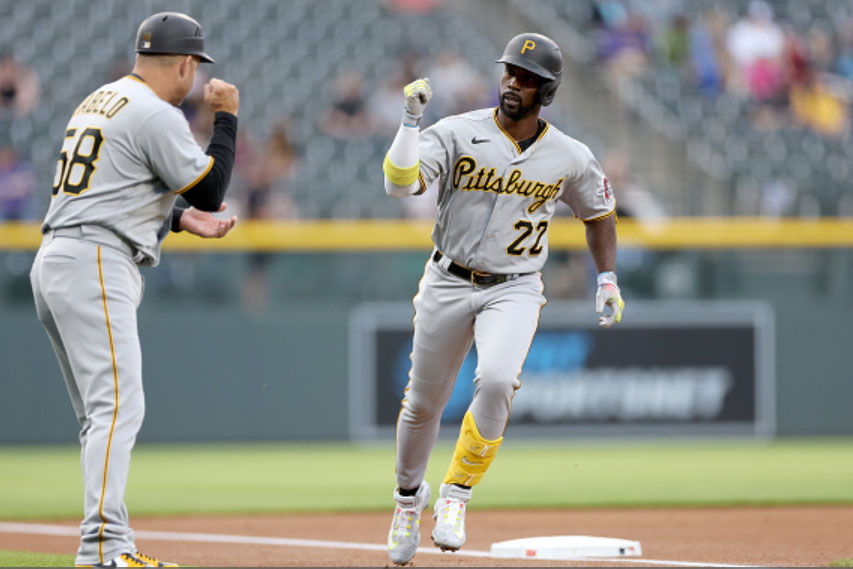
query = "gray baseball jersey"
x=495 y=202
x=126 y=155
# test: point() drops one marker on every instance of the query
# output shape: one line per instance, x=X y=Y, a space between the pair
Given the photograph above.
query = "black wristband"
x=177 y=212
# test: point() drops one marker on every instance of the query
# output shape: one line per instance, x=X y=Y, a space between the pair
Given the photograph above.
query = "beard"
x=515 y=109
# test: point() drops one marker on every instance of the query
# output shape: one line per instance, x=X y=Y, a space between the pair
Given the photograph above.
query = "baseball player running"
x=499 y=173
x=127 y=153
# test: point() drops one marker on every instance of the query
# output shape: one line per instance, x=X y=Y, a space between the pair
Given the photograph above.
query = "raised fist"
x=222 y=96
x=417 y=93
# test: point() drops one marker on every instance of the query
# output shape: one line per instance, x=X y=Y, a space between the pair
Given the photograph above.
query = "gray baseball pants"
x=450 y=315
x=87 y=290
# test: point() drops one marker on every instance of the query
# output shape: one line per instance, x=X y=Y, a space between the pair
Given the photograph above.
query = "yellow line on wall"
x=565 y=234
x=736 y=233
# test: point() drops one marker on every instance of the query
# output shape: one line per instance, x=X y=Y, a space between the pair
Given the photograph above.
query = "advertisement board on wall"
x=668 y=369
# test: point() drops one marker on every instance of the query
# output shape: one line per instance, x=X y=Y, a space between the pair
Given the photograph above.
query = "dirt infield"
x=790 y=536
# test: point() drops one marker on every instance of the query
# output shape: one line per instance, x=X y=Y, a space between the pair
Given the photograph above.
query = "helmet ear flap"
x=547 y=91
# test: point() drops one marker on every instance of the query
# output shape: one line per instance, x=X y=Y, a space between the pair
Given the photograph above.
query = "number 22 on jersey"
x=77 y=160
x=526 y=228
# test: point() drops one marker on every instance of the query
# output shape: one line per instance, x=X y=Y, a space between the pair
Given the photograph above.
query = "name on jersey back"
x=101 y=103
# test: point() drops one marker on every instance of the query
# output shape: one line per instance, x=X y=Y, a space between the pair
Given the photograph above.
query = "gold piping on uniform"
x=515 y=142
x=544 y=130
x=115 y=410
x=422 y=182
x=506 y=134
x=600 y=217
x=197 y=180
x=139 y=80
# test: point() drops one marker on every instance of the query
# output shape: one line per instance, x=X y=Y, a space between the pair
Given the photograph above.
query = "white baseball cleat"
x=131 y=559
x=404 y=537
x=449 y=514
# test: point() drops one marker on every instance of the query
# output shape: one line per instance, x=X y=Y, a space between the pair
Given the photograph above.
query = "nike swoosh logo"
x=468 y=462
x=476 y=140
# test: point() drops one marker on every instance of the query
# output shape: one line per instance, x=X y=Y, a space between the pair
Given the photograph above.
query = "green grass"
x=44 y=482
x=842 y=563
x=26 y=559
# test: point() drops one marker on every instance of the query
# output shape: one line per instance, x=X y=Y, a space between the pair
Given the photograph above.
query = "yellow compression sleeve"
x=400 y=176
x=472 y=456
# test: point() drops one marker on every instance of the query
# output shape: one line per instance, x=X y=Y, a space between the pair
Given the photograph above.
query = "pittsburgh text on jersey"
x=467 y=177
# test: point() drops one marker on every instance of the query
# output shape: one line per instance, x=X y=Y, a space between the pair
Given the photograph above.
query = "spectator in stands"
x=459 y=88
x=623 y=40
x=796 y=57
x=821 y=48
x=766 y=80
x=412 y=6
x=843 y=64
x=635 y=200
x=349 y=116
x=566 y=274
x=385 y=103
x=19 y=86
x=266 y=198
x=756 y=45
x=820 y=106
x=705 y=53
x=280 y=155
x=674 y=41
x=197 y=113
x=17 y=186
x=777 y=198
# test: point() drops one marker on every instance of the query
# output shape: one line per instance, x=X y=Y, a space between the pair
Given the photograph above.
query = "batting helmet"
x=540 y=55
x=171 y=33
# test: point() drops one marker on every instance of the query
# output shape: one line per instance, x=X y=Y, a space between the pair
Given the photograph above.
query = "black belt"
x=474 y=277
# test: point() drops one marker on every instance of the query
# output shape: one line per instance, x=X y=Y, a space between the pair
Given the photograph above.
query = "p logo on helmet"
x=529 y=44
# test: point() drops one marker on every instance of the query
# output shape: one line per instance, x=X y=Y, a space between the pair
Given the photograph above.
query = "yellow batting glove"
x=608 y=296
x=417 y=94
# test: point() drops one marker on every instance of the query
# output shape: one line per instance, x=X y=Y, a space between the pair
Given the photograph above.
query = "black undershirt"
x=525 y=144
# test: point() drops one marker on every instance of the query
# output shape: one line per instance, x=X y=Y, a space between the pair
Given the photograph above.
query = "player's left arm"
x=601 y=240
x=591 y=199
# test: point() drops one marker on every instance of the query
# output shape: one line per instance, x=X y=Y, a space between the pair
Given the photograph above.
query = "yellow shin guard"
x=472 y=456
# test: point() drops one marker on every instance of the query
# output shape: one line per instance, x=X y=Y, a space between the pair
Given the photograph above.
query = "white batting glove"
x=417 y=93
x=608 y=296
